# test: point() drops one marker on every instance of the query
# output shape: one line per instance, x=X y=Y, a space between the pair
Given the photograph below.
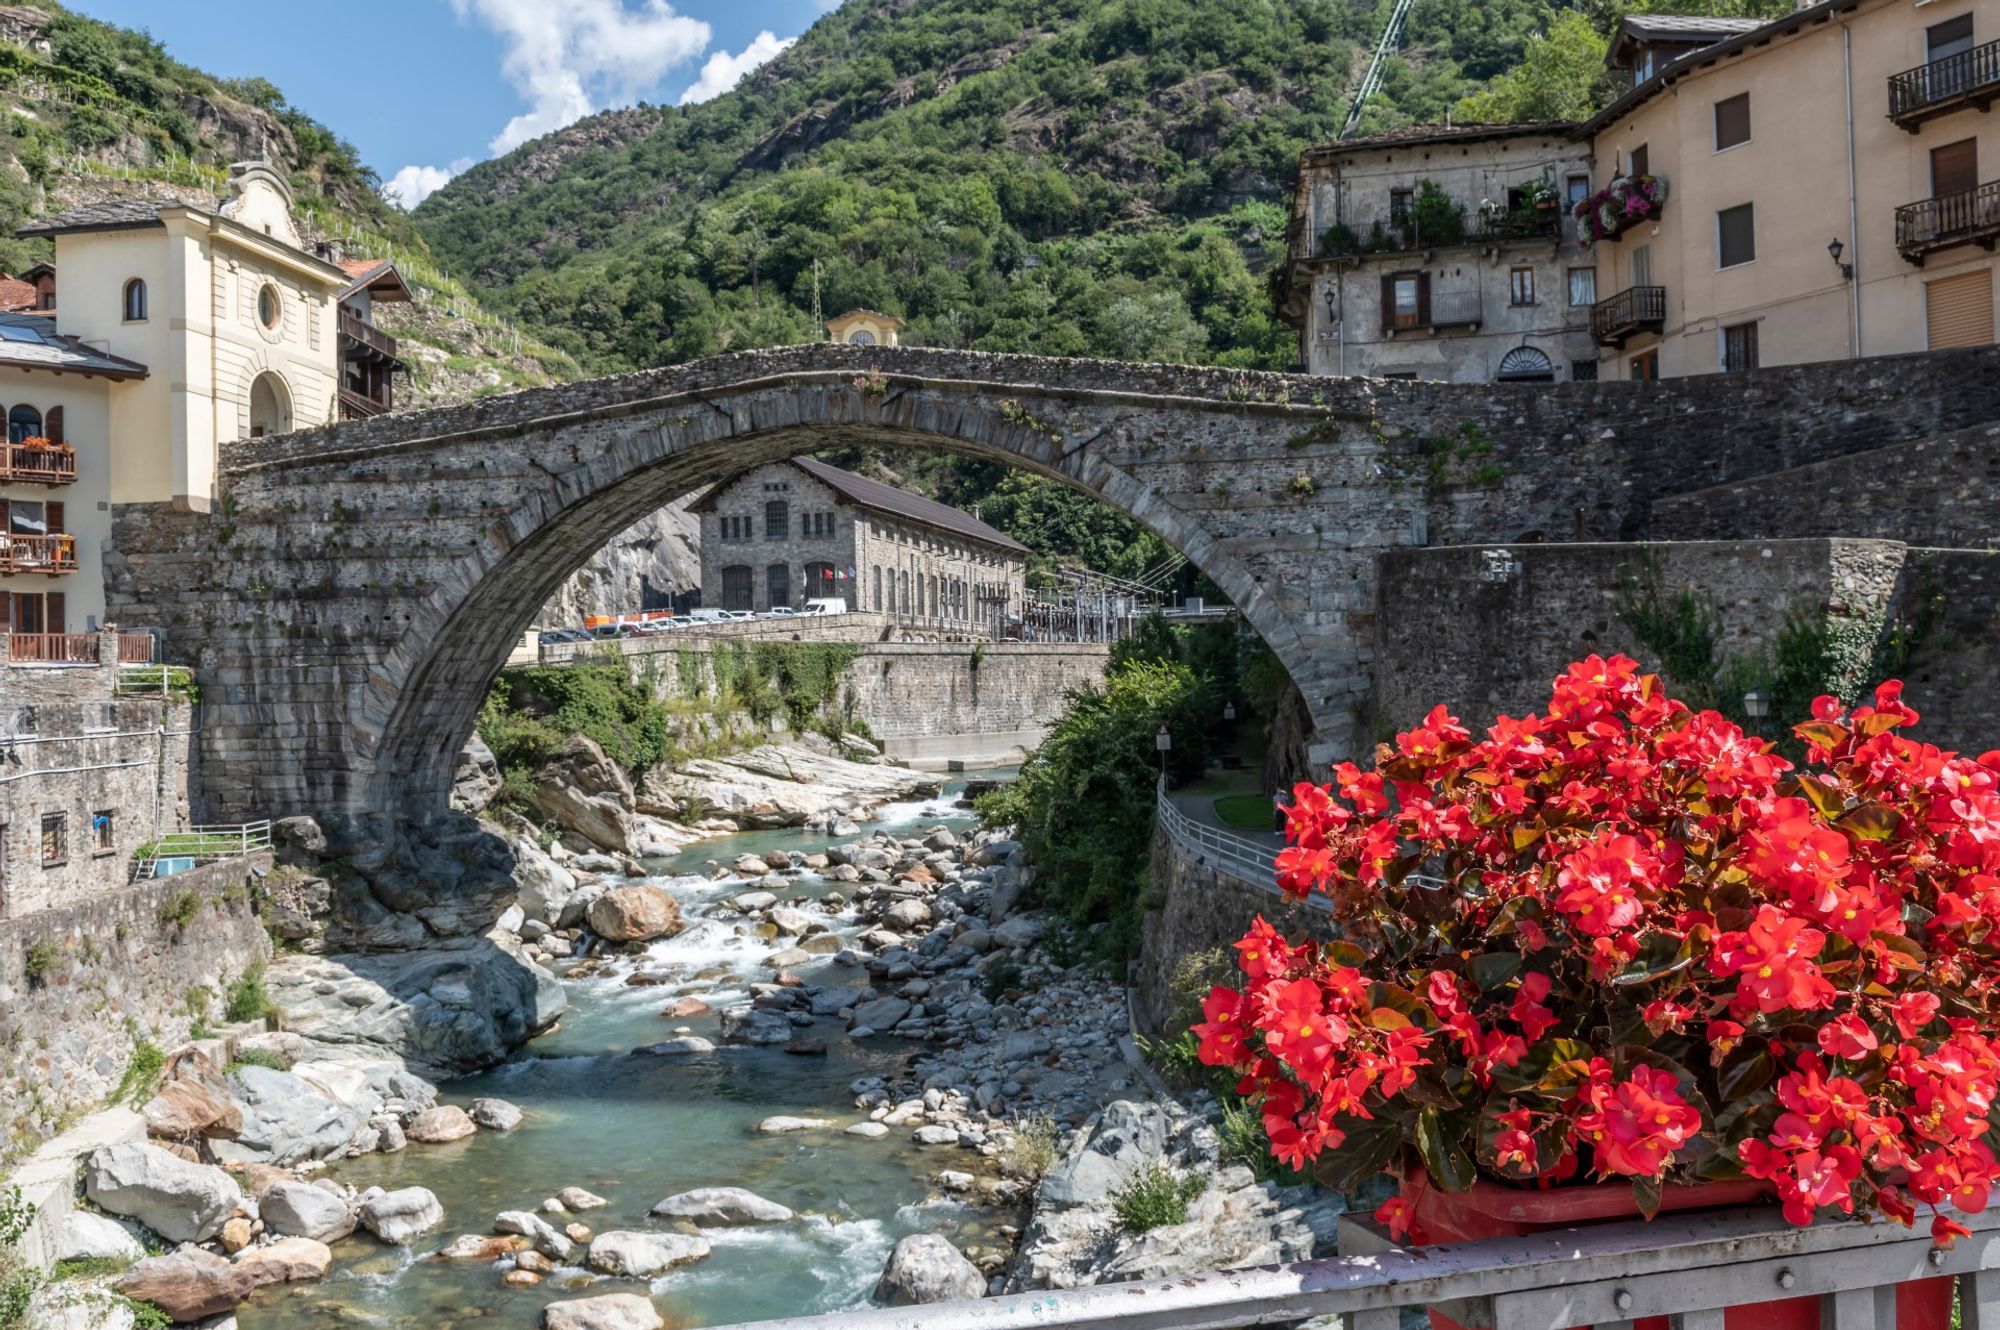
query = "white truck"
x=825 y=605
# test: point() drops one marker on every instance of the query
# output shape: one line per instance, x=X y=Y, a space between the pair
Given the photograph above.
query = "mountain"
x=93 y=112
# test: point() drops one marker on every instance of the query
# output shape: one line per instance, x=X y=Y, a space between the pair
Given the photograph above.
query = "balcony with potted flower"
x=1625 y=957
x=37 y=461
x=48 y=555
x=1628 y=201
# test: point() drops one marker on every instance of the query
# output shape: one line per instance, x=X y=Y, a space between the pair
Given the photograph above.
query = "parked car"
x=781 y=612
x=612 y=632
x=738 y=614
x=825 y=605
x=708 y=616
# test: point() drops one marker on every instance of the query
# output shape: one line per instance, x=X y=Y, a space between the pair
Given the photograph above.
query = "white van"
x=708 y=616
x=828 y=605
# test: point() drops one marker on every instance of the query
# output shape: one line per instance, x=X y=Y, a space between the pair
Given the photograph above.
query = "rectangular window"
x=1646 y=367
x=1949 y=38
x=1583 y=371
x=1732 y=121
x=1583 y=287
x=1642 y=265
x=55 y=839
x=103 y=839
x=1736 y=236
x=1576 y=189
x=1521 y=286
x=1642 y=160
x=1739 y=347
x=1955 y=168
x=1958 y=311
x=1401 y=202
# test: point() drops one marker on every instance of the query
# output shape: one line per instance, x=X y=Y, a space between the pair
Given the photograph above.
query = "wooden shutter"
x=1955 y=168
x=1960 y=310
x=1732 y=121
x=55 y=518
x=1388 y=302
x=56 y=613
x=1423 y=299
x=52 y=425
x=6 y=612
x=1642 y=160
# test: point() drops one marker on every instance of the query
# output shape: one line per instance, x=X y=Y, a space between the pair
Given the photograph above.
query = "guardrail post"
x=1979 y=1300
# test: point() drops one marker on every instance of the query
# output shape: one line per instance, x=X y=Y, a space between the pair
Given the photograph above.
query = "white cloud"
x=565 y=56
x=724 y=71
x=413 y=184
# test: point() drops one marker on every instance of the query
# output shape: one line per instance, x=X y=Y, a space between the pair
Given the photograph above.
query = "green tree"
x=1561 y=77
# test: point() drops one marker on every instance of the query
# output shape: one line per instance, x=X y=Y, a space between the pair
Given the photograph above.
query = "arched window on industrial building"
x=1524 y=364
x=778 y=585
x=736 y=587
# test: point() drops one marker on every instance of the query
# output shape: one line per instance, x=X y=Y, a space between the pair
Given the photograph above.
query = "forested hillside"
x=94 y=112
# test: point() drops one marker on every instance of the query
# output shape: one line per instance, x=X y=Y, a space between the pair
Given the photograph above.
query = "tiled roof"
x=873 y=494
x=371 y=273
x=1412 y=134
x=31 y=342
x=361 y=267
x=116 y=215
x=17 y=296
x=1688 y=27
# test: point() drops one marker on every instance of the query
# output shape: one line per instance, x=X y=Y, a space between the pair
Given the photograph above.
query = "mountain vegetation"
x=90 y=112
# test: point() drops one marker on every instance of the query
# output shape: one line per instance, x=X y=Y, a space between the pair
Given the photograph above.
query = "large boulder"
x=476 y=779
x=193 y=1102
x=287 y=1261
x=189 y=1284
x=447 y=1010
x=445 y=878
x=722 y=1207
x=88 y=1236
x=180 y=1201
x=1124 y=1140
x=754 y=1025
x=286 y=1121
x=643 y=1255
x=635 y=914
x=495 y=1114
x=927 y=1268
x=539 y=1232
x=546 y=885
x=301 y=1210
x=397 y=1216
x=881 y=1014
x=609 y=1311
x=436 y=1126
x=582 y=790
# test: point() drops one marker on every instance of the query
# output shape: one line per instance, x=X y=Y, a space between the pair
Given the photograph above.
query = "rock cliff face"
x=655 y=559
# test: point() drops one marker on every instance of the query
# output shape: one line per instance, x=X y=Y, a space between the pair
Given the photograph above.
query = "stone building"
x=783 y=534
x=1444 y=253
x=865 y=327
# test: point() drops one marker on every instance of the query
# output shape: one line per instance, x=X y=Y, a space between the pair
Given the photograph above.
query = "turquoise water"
x=635 y=1128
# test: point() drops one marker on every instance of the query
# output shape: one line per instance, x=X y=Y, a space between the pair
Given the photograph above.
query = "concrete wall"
x=112 y=972
x=988 y=702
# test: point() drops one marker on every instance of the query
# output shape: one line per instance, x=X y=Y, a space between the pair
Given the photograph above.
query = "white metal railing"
x=1247 y=860
x=202 y=845
x=1692 y=1267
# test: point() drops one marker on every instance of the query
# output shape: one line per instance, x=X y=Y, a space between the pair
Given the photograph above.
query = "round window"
x=270 y=311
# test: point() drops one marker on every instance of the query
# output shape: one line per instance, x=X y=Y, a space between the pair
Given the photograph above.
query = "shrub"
x=41 y=958
x=1155 y=1198
x=179 y=908
x=141 y=1073
x=247 y=999
x=1624 y=938
x=258 y=1057
x=1031 y=1150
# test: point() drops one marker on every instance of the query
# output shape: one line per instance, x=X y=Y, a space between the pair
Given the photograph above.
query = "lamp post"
x=1835 y=248
x=1229 y=758
x=1165 y=743
x=1756 y=705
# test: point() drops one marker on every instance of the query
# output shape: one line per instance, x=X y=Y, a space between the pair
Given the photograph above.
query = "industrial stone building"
x=788 y=532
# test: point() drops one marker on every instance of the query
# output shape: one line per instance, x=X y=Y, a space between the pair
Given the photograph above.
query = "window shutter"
x=1736 y=235
x=1388 y=303
x=6 y=612
x=1642 y=160
x=56 y=525
x=1732 y=121
x=1960 y=310
x=1423 y=298
x=52 y=425
x=57 y=615
x=1955 y=168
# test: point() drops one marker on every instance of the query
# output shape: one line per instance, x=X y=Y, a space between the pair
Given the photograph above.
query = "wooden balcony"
x=1954 y=83
x=52 y=648
x=366 y=336
x=49 y=555
x=22 y=465
x=358 y=406
x=1638 y=309
x=1971 y=217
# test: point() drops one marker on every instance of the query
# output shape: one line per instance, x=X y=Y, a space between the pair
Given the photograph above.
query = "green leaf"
x=1444 y=1158
x=1551 y=1066
x=1646 y=1191
x=1871 y=822
x=1495 y=968
x=1343 y=953
x=1370 y=1149
x=1402 y=1002
x=1744 y=1073
x=1659 y=956
x=1822 y=796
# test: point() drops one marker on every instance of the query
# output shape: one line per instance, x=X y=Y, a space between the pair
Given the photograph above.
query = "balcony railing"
x=368 y=335
x=22 y=465
x=1971 y=78
x=135 y=648
x=53 y=555
x=1522 y=224
x=1446 y=309
x=1638 y=309
x=359 y=406
x=52 y=648
x=1971 y=217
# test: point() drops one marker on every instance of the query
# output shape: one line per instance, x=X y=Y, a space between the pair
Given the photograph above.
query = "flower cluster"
x=1621 y=205
x=1624 y=939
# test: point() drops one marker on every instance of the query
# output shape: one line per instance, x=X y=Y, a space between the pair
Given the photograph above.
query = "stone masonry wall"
x=1943 y=492
x=82 y=983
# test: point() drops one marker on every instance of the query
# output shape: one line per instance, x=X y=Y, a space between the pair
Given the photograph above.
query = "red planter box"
x=1490 y=1210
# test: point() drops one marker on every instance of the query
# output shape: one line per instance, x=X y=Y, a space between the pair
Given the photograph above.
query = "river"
x=636 y=1128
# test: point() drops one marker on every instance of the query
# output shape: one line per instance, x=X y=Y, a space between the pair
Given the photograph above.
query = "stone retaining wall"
x=82 y=983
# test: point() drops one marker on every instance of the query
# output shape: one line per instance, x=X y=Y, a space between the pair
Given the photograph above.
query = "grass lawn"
x=1251 y=812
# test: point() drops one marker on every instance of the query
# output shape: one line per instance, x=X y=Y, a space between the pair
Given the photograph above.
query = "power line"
x=1371 y=82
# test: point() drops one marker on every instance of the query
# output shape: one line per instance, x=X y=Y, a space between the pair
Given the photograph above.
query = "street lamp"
x=1756 y=705
x=1229 y=711
x=1165 y=743
x=1835 y=248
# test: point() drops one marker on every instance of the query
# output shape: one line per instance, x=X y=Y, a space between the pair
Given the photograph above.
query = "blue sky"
x=425 y=88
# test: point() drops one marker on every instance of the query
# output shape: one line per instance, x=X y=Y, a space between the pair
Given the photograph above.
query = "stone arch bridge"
x=356 y=589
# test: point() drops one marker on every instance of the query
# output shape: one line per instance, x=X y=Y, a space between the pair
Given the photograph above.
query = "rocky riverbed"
x=792 y=1070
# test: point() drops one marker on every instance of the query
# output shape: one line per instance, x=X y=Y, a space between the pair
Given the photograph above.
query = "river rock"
x=872 y=1130
x=397 y=1216
x=180 y=1201
x=784 y=785
x=520 y=1277
x=301 y=1210
x=479 y=1247
x=287 y=1261
x=751 y=902
x=1125 y=1139
x=610 y=1311
x=476 y=778
x=833 y=1001
x=682 y=1008
x=576 y=1198
x=437 y=1126
x=881 y=1014
x=74 y=1305
x=795 y=923
x=495 y=1114
x=927 y=1268
x=189 y=1284
x=586 y=792
x=1023 y=931
x=286 y=1121
x=687 y=1045
x=936 y=1135
x=87 y=1236
x=780 y=1124
x=545 y=885
x=722 y=1207
x=537 y=1230
x=754 y=1025
x=446 y=1010
x=193 y=1101
x=907 y=916
x=643 y=1255
x=236 y=1234
x=635 y=914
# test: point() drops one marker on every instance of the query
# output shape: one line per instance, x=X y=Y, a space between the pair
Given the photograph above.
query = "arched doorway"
x=1524 y=364
x=270 y=405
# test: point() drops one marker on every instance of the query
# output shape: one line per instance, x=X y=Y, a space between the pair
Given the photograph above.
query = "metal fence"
x=178 y=851
x=1691 y=1267
x=1247 y=860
